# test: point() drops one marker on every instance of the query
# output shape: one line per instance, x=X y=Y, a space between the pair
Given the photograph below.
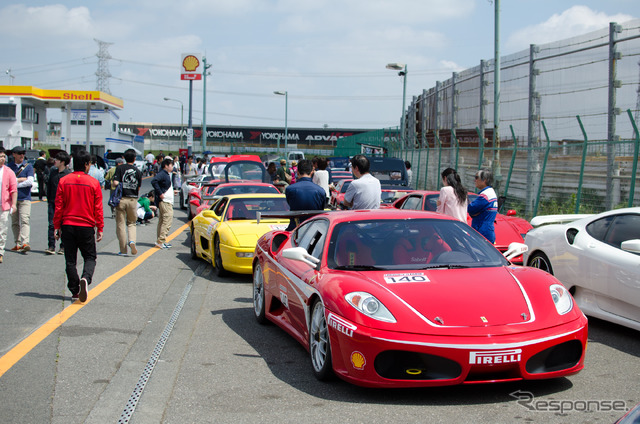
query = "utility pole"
x=204 y=105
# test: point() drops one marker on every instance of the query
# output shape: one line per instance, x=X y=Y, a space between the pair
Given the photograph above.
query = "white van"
x=296 y=155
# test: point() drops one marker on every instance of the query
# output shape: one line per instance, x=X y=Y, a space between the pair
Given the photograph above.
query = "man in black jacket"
x=164 y=197
x=59 y=170
x=40 y=166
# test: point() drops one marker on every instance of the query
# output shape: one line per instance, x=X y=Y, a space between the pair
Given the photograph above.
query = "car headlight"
x=244 y=254
x=561 y=298
x=370 y=306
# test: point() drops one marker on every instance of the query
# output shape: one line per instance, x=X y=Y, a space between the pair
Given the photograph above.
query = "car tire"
x=182 y=206
x=217 y=259
x=319 y=344
x=539 y=260
x=194 y=253
x=258 y=294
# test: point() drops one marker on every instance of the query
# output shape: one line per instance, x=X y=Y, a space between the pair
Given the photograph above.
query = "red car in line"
x=204 y=200
x=509 y=228
x=384 y=298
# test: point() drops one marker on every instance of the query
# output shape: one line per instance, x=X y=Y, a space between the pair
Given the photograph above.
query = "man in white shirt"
x=364 y=192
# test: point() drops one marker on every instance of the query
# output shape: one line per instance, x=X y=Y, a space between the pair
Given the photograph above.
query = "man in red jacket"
x=78 y=213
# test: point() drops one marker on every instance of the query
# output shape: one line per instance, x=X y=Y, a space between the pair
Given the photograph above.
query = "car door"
x=297 y=287
x=610 y=272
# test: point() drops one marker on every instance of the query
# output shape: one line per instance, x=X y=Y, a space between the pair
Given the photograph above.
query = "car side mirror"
x=194 y=202
x=632 y=246
x=300 y=254
x=210 y=214
x=515 y=249
x=511 y=212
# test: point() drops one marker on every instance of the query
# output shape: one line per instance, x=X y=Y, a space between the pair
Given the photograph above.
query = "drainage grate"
x=148 y=369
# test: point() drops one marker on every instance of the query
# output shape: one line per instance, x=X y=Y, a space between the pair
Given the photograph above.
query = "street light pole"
x=286 y=114
x=402 y=67
x=166 y=99
x=204 y=105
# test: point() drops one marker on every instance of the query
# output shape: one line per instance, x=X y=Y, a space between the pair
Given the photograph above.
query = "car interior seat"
x=352 y=251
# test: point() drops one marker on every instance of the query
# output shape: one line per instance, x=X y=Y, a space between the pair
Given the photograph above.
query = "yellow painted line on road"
x=25 y=346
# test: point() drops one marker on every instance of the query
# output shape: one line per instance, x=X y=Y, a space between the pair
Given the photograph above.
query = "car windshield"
x=409 y=244
x=245 y=189
x=247 y=209
x=345 y=186
x=245 y=170
x=390 y=196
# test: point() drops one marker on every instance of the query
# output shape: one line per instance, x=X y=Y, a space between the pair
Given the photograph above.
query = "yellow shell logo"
x=358 y=361
x=190 y=63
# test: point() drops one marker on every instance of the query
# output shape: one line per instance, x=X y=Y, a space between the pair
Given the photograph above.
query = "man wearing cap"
x=8 y=199
x=58 y=171
x=20 y=220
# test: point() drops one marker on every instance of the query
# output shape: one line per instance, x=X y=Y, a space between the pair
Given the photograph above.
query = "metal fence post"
x=612 y=111
x=513 y=160
x=584 y=158
x=481 y=148
x=544 y=167
x=632 y=188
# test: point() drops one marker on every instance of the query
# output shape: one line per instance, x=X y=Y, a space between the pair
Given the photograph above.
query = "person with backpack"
x=130 y=178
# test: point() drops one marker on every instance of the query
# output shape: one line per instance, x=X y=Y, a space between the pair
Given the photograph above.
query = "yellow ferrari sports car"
x=226 y=234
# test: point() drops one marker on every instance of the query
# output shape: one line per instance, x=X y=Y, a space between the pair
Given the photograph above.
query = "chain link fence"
x=566 y=141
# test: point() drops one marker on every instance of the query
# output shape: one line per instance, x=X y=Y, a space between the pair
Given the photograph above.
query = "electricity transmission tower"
x=103 y=74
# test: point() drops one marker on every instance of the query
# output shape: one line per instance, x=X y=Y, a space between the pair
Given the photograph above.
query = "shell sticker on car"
x=210 y=228
x=278 y=227
x=357 y=360
x=406 y=277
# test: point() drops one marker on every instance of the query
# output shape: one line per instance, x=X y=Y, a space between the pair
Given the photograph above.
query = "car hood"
x=474 y=297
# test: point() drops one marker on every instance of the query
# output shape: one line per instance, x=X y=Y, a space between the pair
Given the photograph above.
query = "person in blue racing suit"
x=484 y=208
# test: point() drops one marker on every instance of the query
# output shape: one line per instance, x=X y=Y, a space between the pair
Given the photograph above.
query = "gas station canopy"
x=75 y=99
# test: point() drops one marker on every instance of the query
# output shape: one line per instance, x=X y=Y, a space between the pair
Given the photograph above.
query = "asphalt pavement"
x=163 y=340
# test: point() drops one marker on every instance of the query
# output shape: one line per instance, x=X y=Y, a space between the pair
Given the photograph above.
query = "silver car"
x=597 y=257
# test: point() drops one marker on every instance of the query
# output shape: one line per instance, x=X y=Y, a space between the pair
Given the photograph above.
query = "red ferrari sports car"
x=208 y=195
x=337 y=193
x=509 y=228
x=389 y=299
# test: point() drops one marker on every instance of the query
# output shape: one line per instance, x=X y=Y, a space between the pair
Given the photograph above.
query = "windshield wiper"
x=360 y=267
x=448 y=266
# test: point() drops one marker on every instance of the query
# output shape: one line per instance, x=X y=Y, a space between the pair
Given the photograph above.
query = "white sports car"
x=597 y=257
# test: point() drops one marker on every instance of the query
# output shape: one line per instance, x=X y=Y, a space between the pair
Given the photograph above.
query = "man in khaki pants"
x=164 y=195
x=130 y=177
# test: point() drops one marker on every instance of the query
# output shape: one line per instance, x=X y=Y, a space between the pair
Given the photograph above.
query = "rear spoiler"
x=289 y=214
x=540 y=220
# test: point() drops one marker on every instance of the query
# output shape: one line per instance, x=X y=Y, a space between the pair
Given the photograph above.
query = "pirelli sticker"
x=406 y=277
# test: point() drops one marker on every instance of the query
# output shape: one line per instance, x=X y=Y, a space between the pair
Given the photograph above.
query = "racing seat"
x=237 y=211
x=352 y=251
x=419 y=250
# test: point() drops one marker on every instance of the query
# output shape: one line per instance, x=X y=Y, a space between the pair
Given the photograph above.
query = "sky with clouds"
x=329 y=55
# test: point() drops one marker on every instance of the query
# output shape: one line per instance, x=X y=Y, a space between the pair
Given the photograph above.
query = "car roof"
x=256 y=195
x=380 y=214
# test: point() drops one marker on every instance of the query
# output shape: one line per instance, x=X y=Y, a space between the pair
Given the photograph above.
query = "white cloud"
x=54 y=20
x=574 y=21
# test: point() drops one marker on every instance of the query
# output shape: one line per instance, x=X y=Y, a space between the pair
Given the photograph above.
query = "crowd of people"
x=73 y=189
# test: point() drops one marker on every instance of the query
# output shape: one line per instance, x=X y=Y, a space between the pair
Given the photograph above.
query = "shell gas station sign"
x=191 y=67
